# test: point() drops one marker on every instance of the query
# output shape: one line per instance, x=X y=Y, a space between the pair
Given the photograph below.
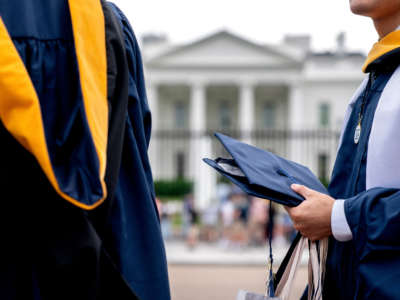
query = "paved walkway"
x=207 y=282
x=216 y=254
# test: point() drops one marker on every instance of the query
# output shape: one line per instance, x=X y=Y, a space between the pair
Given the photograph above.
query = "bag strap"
x=286 y=259
x=284 y=287
x=316 y=268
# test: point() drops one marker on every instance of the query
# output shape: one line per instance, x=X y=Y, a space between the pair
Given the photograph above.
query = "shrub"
x=173 y=188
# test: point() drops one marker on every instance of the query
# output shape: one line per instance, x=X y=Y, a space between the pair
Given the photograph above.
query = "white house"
x=285 y=98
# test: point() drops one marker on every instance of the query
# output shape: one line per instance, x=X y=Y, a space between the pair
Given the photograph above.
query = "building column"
x=296 y=124
x=198 y=109
x=204 y=177
x=152 y=99
x=296 y=107
x=246 y=112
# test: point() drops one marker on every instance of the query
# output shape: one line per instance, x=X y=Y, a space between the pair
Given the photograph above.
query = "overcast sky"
x=263 y=21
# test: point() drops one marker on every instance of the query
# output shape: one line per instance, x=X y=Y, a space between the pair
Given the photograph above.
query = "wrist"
x=339 y=226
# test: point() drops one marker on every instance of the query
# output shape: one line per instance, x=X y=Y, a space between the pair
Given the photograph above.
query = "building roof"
x=225 y=49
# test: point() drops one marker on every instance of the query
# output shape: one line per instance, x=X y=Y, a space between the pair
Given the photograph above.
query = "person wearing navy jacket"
x=78 y=217
x=362 y=213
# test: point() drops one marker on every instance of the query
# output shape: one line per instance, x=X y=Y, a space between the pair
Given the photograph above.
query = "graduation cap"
x=263 y=174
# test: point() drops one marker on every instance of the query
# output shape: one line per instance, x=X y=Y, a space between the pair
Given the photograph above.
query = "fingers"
x=300 y=222
x=312 y=217
x=299 y=215
x=302 y=190
x=298 y=226
x=307 y=231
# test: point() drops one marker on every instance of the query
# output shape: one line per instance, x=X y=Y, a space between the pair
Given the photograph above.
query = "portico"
x=201 y=108
x=224 y=83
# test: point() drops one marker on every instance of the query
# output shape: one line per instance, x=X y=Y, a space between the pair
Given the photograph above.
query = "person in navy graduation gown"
x=364 y=221
x=78 y=215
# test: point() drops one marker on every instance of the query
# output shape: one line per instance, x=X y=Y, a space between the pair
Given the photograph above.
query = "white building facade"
x=283 y=98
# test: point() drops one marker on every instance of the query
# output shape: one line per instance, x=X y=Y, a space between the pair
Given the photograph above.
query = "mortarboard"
x=263 y=174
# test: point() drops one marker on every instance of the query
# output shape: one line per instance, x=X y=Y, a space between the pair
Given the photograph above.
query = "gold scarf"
x=383 y=46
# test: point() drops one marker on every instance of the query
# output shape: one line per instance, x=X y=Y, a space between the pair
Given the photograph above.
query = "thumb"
x=302 y=190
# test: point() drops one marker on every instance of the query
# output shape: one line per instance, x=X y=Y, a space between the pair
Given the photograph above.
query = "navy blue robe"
x=137 y=232
x=52 y=249
x=368 y=266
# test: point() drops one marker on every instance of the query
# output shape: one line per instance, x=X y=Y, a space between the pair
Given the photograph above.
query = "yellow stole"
x=383 y=46
x=19 y=104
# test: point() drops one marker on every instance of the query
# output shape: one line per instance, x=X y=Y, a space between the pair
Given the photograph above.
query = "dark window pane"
x=269 y=115
x=225 y=115
x=180 y=165
x=324 y=114
x=180 y=115
x=323 y=161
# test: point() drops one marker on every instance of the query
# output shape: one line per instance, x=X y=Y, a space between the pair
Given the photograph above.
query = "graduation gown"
x=366 y=175
x=78 y=214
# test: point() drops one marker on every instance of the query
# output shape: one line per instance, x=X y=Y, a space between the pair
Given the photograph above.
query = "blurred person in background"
x=362 y=215
x=223 y=190
x=242 y=204
x=284 y=231
x=227 y=211
x=288 y=230
x=79 y=215
x=210 y=223
x=258 y=217
x=188 y=213
x=165 y=219
x=238 y=234
x=190 y=219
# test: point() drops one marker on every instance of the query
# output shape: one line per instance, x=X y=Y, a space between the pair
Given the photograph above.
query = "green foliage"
x=173 y=188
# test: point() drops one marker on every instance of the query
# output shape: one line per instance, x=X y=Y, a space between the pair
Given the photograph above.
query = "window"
x=225 y=121
x=323 y=167
x=179 y=115
x=324 y=114
x=180 y=165
x=269 y=115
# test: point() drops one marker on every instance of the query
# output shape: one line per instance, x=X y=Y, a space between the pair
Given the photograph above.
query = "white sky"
x=264 y=21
